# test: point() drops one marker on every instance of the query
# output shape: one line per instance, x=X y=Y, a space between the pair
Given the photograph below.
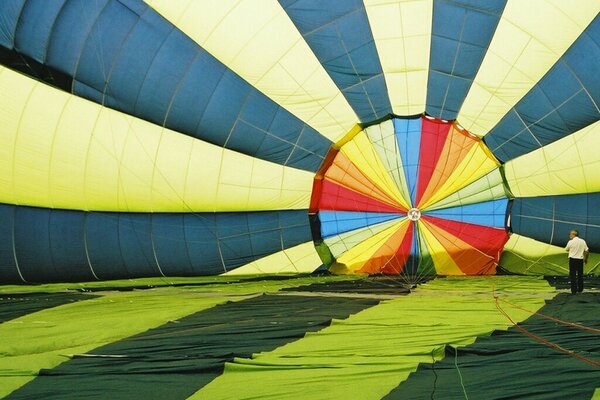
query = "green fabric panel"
x=370 y=353
x=174 y=360
x=526 y=256
x=47 y=338
x=16 y=305
x=510 y=365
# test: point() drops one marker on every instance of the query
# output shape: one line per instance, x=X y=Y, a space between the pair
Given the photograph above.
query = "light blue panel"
x=408 y=136
x=461 y=33
x=489 y=213
x=9 y=15
x=337 y=222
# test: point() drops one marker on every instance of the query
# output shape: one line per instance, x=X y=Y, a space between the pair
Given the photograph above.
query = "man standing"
x=578 y=255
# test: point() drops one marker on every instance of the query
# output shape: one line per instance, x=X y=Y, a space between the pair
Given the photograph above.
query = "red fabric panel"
x=339 y=198
x=433 y=137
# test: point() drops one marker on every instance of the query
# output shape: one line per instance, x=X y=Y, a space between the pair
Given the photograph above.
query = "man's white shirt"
x=576 y=247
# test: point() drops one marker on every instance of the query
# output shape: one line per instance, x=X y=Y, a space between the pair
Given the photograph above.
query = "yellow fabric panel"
x=531 y=36
x=443 y=262
x=383 y=139
x=488 y=187
x=260 y=43
x=477 y=163
x=302 y=258
x=63 y=151
x=358 y=255
x=569 y=165
x=343 y=242
x=364 y=156
x=402 y=33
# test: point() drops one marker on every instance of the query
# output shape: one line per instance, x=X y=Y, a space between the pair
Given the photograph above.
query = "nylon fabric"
x=382 y=345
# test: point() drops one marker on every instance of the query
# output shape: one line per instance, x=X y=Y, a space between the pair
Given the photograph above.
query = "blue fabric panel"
x=32 y=245
x=123 y=54
x=51 y=244
x=337 y=222
x=35 y=26
x=549 y=219
x=8 y=267
x=340 y=36
x=67 y=246
x=136 y=244
x=461 y=33
x=9 y=16
x=70 y=33
x=170 y=244
x=489 y=213
x=104 y=247
x=102 y=48
x=563 y=102
x=408 y=136
x=202 y=244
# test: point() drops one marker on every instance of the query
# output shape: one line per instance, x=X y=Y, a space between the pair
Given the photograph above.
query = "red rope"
x=560 y=321
x=542 y=340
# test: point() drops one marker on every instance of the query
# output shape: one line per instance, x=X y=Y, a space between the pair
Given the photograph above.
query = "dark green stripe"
x=177 y=359
x=16 y=305
x=510 y=365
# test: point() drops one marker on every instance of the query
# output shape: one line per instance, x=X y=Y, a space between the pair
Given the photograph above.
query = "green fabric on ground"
x=17 y=305
x=174 y=360
x=370 y=353
x=47 y=338
x=511 y=365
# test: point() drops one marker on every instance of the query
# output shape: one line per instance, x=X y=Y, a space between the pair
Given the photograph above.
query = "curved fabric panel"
x=526 y=256
x=267 y=51
x=383 y=139
x=121 y=55
x=489 y=187
x=524 y=48
x=550 y=218
x=487 y=213
x=362 y=154
x=337 y=222
x=62 y=151
x=300 y=259
x=461 y=33
x=343 y=242
x=564 y=101
x=442 y=260
x=569 y=165
x=402 y=32
x=61 y=245
x=408 y=137
x=340 y=36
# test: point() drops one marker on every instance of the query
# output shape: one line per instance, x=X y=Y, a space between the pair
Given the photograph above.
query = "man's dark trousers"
x=576 y=274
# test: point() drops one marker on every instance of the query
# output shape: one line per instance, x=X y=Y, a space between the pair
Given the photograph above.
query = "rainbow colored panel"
x=409 y=196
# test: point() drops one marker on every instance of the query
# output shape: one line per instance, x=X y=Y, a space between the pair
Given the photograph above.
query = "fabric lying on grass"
x=371 y=352
x=174 y=360
x=49 y=337
x=16 y=305
x=511 y=365
x=373 y=285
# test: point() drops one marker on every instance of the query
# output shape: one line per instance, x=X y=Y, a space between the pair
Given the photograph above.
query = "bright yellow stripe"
x=62 y=151
x=260 y=43
x=402 y=32
x=299 y=259
x=488 y=187
x=341 y=243
x=364 y=156
x=383 y=139
x=357 y=256
x=569 y=165
x=531 y=36
x=476 y=164
x=443 y=262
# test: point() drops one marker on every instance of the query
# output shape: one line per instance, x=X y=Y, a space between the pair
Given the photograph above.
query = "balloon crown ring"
x=414 y=214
